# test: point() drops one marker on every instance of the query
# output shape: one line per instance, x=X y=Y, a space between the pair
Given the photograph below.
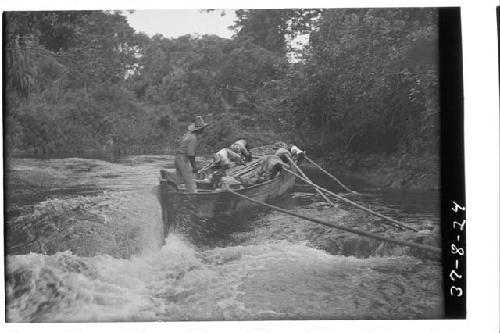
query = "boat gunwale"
x=207 y=193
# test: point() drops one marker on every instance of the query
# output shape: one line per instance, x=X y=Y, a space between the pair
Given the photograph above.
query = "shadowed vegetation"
x=362 y=93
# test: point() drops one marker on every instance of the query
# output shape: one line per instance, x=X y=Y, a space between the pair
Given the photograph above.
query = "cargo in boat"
x=180 y=208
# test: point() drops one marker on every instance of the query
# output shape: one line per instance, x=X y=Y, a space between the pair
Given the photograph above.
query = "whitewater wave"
x=180 y=283
x=99 y=256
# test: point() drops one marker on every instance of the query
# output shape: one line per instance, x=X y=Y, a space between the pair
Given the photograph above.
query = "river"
x=84 y=244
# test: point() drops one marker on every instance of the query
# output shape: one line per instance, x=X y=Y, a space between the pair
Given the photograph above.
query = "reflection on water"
x=84 y=243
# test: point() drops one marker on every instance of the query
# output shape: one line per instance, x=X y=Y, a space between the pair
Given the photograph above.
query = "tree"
x=274 y=28
x=32 y=40
x=361 y=85
x=60 y=63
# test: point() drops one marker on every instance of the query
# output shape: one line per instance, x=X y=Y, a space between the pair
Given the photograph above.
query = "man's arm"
x=193 y=163
x=191 y=152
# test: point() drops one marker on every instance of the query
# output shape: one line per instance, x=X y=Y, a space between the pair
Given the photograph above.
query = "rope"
x=304 y=175
x=354 y=231
x=352 y=202
x=206 y=167
x=330 y=175
x=239 y=171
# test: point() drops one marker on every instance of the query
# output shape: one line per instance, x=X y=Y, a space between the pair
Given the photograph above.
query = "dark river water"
x=84 y=243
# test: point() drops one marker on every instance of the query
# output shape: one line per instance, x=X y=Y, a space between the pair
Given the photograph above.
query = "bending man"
x=242 y=147
x=224 y=159
x=297 y=153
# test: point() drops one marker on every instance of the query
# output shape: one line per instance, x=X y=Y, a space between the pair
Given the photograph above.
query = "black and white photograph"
x=199 y=165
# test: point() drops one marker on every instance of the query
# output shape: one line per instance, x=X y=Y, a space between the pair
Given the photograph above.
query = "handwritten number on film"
x=457 y=207
x=457 y=251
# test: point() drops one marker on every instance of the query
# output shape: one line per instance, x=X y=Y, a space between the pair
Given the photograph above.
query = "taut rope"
x=350 y=202
x=354 y=231
x=315 y=188
x=330 y=175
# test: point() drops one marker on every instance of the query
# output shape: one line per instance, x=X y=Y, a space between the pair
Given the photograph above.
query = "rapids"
x=84 y=243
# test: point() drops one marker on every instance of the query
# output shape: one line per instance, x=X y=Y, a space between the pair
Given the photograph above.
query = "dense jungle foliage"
x=365 y=85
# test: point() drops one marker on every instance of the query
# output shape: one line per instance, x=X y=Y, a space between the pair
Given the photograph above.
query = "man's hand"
x=193 y=163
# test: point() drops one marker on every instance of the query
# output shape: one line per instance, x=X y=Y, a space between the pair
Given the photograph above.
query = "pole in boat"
x=352 y=202
x=304 y=175
x=354 y=231
x=330 y=175
x=247 y=168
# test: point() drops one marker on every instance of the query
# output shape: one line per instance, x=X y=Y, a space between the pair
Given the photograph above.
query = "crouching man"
x=243 y=148
x=226 y=158
x=293 y=153
x=284 y=155
x=223 y=160
x=271 y=167
x=297 y=154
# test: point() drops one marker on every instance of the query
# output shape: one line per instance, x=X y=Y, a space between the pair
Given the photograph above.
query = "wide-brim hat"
x=198 y=124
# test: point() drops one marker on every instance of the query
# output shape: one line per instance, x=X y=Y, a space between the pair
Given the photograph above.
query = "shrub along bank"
x=362 y=94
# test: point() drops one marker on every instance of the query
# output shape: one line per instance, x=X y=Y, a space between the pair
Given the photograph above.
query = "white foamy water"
x=80 y=256
x=276 y=280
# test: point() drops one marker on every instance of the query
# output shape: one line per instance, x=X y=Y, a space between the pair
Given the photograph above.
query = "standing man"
x=186 y=152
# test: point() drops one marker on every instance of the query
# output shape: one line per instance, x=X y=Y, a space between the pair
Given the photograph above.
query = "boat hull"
x=196 y=211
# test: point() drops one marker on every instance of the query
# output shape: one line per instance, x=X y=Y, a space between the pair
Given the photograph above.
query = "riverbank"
x=390 y=171
x=379 y=170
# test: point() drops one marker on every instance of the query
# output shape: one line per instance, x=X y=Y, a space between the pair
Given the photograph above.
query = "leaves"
x=364 y=76
x=365 y=81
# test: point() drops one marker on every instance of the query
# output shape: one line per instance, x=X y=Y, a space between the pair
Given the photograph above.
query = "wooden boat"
x=182 y=210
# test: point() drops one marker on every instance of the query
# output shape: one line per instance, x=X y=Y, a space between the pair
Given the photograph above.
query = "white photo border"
x=481 y=118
